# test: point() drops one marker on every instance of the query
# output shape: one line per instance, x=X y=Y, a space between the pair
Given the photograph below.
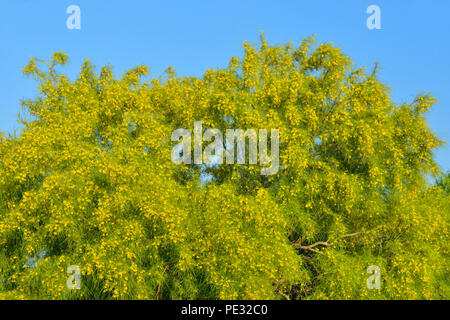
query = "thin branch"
x=279 y=290
x=312 y=246
x=284 y=295
x=351 y=235
x=298 y=243
x=159 y=285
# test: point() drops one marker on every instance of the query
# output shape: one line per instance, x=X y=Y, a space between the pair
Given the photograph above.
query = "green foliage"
x=444 y=182
x=89 y=182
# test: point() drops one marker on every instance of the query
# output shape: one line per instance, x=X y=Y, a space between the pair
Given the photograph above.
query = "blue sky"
x=412 y=47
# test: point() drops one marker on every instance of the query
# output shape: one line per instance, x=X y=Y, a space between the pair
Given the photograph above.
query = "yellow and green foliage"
x=89 y=182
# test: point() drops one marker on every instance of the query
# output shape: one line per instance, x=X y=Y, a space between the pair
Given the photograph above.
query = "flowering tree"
x=89 y=182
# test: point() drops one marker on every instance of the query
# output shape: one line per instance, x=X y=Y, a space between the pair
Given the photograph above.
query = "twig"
x=298 y=243
x=312 y=246
x=159 y=285
x=284 y=295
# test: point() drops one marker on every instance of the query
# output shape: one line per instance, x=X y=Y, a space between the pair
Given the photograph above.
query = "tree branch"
x=298 y=243
x=159 y=285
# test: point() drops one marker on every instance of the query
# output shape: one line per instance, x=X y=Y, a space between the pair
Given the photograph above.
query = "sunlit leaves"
x=89 y=182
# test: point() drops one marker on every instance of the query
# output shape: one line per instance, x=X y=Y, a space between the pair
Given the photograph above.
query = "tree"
x=90 y=182
x=444 y=182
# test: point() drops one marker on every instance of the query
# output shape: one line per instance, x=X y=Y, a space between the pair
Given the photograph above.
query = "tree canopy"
x=89 y=182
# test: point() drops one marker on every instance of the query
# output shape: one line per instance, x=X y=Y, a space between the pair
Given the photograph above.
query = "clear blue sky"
x=413 y=46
